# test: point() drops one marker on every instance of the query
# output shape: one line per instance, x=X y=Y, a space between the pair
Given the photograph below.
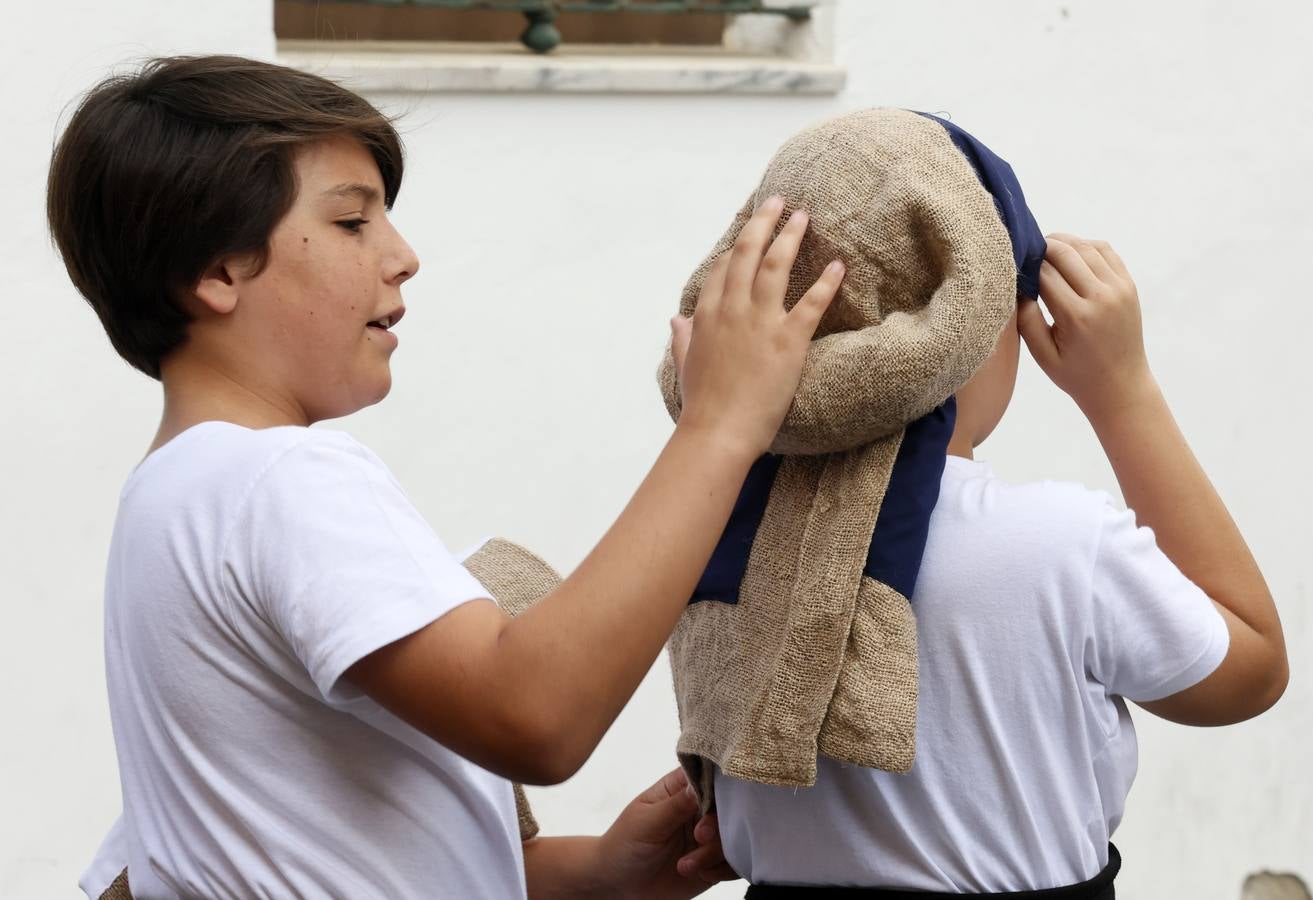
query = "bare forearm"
x=1169 y=491
x=584 y=649
x=562 y=868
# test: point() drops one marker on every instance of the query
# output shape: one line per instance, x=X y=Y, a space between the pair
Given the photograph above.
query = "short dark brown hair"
x=163 y=172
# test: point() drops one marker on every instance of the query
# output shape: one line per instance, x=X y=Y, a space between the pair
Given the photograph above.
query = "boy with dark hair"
x=309 y=695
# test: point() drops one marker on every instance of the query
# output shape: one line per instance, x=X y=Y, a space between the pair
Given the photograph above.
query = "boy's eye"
x=353 y=225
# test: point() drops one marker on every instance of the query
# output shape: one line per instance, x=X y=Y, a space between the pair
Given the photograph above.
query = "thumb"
x=1037 y=333
x=681 y=332
x=664 y=809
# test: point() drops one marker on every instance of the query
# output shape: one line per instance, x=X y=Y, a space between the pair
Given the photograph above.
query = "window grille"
x=541 y=33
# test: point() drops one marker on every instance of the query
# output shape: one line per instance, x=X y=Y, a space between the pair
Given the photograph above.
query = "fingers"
x=1094 y=261
x=713 y=287
x=1073 y=268
x=1114 y=261
x=1058 y=295
x=773 y=276
x=661 y=819
x=707 y=829
x=1036 y=333
x=809 y=310
x=663 y=810
x=749 y=247
x=706 y=863
x=712 y=875
x=673 y=783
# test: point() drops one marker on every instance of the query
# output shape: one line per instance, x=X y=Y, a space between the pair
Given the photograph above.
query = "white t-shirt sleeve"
x=338 y=560
x=111 y=859
x=1155 y=631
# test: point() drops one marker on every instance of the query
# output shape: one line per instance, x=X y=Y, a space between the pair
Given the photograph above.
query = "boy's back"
x=1038 y=607
x=237 y=593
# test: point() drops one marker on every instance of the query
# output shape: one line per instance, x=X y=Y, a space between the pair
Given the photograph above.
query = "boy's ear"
x=217 y=289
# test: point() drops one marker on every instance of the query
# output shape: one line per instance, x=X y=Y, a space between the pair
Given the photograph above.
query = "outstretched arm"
x=530 y=698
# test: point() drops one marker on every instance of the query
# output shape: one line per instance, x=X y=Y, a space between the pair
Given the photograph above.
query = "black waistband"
x=1099 y=887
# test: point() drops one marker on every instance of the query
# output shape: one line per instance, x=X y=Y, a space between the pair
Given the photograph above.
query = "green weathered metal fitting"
x=542 y=36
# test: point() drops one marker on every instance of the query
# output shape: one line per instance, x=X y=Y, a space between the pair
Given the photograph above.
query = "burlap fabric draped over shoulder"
x=813 y=656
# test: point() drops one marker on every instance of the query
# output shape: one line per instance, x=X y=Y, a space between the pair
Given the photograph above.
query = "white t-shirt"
x=1038 y=608
x=248 y=570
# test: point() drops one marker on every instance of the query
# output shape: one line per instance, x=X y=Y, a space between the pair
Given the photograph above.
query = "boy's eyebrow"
x=365 y=192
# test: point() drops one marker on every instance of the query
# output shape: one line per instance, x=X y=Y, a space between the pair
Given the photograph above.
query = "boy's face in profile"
x=310 y=332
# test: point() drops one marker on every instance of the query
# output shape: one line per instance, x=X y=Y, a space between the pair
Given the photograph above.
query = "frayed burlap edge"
x=764 y=683
x=872 y=716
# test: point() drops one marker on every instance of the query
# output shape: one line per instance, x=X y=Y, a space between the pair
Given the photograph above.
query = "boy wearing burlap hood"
x=901 y=675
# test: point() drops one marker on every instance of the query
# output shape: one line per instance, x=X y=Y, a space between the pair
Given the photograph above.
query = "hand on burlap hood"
x=800 y=639
x=930 y=276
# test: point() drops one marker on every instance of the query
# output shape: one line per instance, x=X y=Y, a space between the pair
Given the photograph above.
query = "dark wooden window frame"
x=355 y=21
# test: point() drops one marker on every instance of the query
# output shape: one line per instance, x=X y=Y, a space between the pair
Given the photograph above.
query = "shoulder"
x=218 y=469
x=310 y=472
x=231 y=453
x=1045 y=511
x=311 y=455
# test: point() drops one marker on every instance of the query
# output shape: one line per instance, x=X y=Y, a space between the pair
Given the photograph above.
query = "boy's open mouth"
x=386 y=322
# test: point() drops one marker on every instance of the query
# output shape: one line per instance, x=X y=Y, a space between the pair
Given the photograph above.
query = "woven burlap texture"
x=516 y=579
x=814 y=656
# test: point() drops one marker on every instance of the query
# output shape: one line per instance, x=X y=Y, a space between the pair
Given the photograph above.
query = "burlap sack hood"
x=800 y=639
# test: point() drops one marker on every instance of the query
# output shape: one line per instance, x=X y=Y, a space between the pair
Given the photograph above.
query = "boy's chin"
x=379 y=393
x=363 y=398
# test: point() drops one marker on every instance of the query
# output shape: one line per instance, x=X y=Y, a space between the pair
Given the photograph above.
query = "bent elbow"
x=1275 y=685
x=549 y=769
x=1262 y=692
x=546 y=751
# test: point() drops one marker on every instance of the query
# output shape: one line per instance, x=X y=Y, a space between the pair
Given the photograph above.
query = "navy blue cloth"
x=904 y=520
x=898 y=541
x=996 y=175
x=724 y=574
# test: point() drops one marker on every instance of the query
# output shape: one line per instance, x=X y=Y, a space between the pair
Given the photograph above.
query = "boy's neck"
x=195 y=392
x=965 y=451
x=963 y=442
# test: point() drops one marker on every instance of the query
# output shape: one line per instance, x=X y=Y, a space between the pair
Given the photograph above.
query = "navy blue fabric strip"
x=996 y=175
x=898 y=542
x=904 y=520
x=724 y=574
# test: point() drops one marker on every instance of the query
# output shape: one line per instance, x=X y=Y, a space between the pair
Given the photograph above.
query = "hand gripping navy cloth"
x=800 y=638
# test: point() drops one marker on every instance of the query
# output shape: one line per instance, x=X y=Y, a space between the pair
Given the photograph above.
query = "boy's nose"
x=405 y=263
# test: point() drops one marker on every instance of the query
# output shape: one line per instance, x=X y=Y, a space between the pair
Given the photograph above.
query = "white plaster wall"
x=556 y=232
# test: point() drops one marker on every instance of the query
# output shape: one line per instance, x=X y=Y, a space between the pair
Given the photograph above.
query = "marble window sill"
x=397 y=67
